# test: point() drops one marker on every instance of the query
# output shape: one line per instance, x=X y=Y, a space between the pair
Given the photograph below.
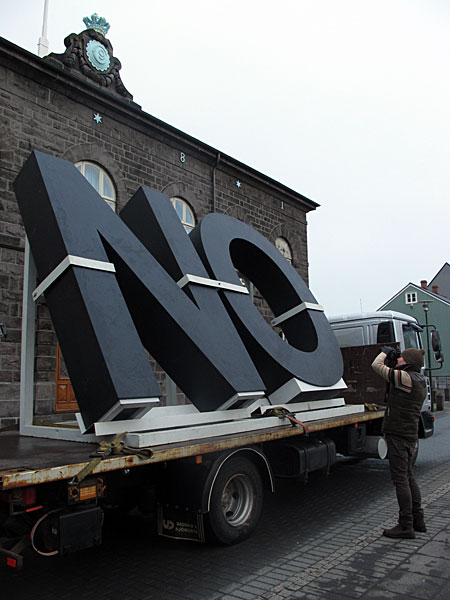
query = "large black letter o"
x=311 y=352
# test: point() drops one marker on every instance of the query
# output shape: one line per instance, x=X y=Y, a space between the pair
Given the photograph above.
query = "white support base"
x=170 y=417
x=243 y=399
x=141 y=405
x=69 y=434
x=185 y=415
x=304 y=411
x=294 y=388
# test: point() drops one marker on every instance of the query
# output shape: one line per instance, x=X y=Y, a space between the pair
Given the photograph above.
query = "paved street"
x=320 y=541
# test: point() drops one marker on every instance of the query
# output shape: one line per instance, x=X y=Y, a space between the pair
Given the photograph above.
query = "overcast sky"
x=346 y=102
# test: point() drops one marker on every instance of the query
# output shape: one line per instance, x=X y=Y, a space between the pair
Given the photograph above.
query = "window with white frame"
x=411 y=298
x=100 y=180
x=184 y=212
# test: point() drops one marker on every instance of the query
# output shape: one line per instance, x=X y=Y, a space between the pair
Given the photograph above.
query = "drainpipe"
x=214 y=181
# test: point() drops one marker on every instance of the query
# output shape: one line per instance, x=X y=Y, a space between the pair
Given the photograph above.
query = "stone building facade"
x=76 y=107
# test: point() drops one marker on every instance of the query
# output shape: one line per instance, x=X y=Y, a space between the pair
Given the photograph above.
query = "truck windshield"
x=410 y=336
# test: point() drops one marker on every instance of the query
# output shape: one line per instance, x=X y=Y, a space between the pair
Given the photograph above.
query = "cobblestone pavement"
x=320 y=541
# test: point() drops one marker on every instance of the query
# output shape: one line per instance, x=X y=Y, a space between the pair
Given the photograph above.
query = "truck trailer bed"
x=29 y=460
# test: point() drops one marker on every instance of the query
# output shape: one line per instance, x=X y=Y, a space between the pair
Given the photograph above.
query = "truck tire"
x=236 y=502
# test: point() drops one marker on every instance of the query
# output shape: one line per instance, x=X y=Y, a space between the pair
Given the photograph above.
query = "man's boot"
x=419 y=524
x=400 y=532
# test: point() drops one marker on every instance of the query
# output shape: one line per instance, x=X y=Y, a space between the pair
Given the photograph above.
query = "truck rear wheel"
x=236 y=502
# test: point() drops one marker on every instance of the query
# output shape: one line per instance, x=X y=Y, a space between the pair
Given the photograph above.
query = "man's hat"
x=413 y=356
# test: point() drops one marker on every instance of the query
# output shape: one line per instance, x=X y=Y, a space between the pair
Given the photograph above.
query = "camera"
x=392 y=355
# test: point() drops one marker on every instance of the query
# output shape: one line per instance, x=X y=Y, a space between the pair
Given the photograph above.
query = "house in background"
x=429 y=304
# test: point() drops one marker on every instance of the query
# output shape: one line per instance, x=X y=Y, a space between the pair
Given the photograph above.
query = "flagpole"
x=43 y=41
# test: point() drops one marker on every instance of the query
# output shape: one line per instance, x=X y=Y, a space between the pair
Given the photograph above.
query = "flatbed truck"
x=53 y=492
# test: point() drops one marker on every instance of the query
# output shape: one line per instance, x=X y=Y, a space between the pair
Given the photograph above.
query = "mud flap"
x=180 y=524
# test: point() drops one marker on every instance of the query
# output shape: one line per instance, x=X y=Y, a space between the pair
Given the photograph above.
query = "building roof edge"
x=136 y=111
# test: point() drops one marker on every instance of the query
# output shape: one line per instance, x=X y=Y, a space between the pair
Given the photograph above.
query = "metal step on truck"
x=119 y=288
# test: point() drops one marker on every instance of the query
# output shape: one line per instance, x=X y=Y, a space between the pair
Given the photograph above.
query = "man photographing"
x=407 y=391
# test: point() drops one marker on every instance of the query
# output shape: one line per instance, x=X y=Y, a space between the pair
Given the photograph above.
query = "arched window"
x=185 y=213
x=284 y=248
x=100 y=180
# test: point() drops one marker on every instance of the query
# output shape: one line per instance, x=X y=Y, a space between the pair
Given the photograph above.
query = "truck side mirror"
x=436 y=341
x=439 y=357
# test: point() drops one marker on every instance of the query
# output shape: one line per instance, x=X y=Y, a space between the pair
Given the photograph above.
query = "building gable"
x=442 y=281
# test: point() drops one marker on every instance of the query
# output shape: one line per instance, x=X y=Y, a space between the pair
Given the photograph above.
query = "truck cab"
x=384 y=327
